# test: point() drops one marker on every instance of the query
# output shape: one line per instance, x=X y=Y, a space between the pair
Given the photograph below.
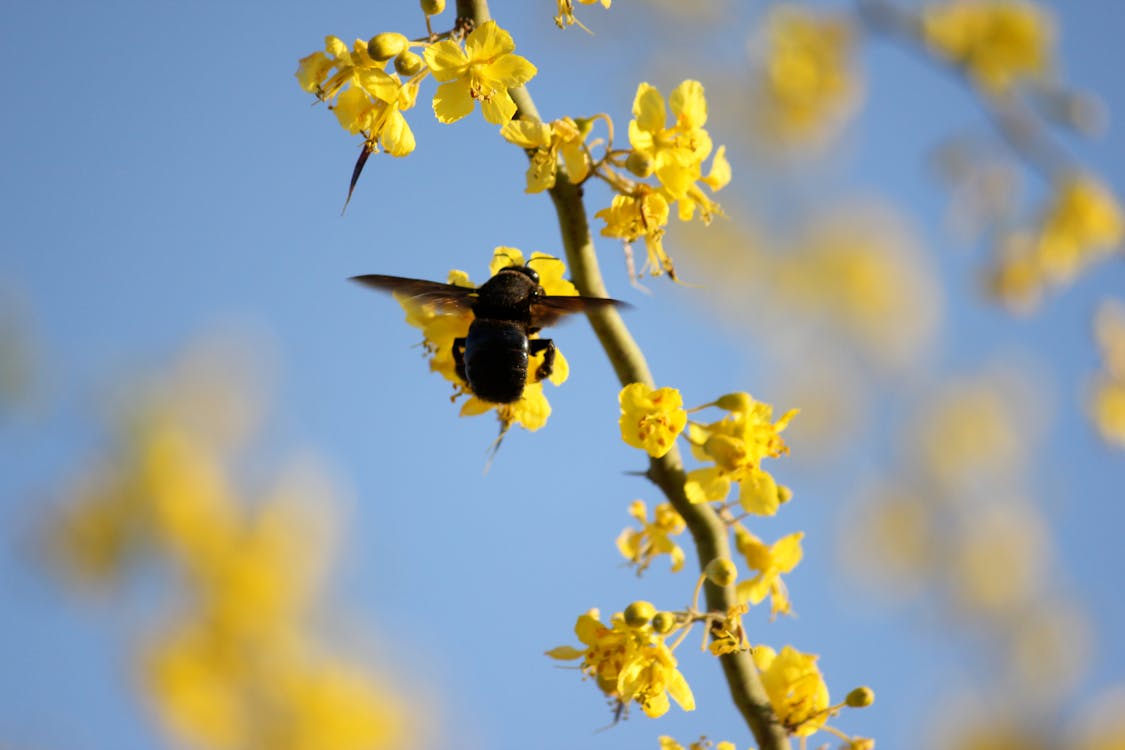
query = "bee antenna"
x=544 y=256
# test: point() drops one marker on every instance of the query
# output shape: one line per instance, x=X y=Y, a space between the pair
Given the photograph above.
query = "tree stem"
x=708 y=531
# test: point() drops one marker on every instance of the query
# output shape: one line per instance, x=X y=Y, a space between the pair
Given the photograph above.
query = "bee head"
x=527 y=271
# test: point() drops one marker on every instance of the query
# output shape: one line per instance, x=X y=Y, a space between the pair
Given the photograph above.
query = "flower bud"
x=383 y=47
x=432 y=7
x=861 y=743
x=721 y=571
x=740 y=401
x=861 y=697
x=639 y=613
x=640 y=164
x=407 y=63
x=663 y=622
x=784 y=494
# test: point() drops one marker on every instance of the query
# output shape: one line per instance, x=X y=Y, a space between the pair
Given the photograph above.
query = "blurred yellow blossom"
x=651 y=418
x=795 y=688
x=640 y=546
x=1000 y=560
x=770 y=562
x=628 y=663
x=806 y=85
x=242 y=666
x=999 y=42
x=1083 y=222
x=483 y=71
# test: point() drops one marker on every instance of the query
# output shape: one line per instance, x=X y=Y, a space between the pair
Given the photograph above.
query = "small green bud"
x=735 y=402
x=721 y=571
x=663 y=622
x=861 y=697
x=432 y=7
x=407 y=63
x=639 y=613
x=383 y=47
x=640 y=164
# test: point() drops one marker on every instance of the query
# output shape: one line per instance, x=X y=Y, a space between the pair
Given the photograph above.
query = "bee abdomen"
x=496 y=357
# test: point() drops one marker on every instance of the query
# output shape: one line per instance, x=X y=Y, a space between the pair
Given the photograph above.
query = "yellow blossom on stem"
x=651 y=419
x=641 y=214
x=999 y=42
x=771 y=562
x=677 y=152
x=795 y=688
x=483 y=71
x=548 y=141
x=737 y=444
x=628 y=663
x=640 y=546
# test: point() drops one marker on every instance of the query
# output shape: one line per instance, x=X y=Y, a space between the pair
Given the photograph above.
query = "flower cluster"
x=736 y=445
x=999 y=42
x=441 y=327
x=479 y=66
x=1082 y=224
x=240 y=663
x=629 y=660
x=805 y=84
x=674 y=155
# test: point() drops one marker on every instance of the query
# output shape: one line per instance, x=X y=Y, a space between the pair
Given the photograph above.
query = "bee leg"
x=548 y=347
x=459 y=359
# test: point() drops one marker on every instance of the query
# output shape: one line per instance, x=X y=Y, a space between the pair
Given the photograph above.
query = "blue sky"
x=163 y=177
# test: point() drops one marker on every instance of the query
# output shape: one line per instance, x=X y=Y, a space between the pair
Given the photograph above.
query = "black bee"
x=492 y=360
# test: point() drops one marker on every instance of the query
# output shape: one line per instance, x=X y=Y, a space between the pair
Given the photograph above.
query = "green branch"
x=707 y=529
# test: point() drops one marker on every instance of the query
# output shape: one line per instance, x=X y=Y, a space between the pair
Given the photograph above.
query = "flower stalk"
x=628 y=361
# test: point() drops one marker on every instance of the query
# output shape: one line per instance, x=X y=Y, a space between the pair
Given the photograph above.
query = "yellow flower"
x=639 y=547
x=628 y=663
x=677 y=152
x=795 y=688
x=771 y=561
x=364 y=98
x=1000 y=42
x=737 y=444
x=549 y=141
x=1083 y=222
x=643 y=214
x=806 y=84
x=651 y=418
x=566 y=12
x=483 y=71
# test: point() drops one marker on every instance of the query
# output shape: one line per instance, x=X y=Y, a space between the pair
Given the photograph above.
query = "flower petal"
x=488 y=40
x=648 y=108
x=452 y=101
x=446 y=61
x=510 y=71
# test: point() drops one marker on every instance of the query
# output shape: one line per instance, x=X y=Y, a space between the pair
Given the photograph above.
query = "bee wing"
x=546 y=311
x=443 y=298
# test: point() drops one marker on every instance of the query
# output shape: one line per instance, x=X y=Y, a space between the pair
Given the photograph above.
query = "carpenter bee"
x=493 y=358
